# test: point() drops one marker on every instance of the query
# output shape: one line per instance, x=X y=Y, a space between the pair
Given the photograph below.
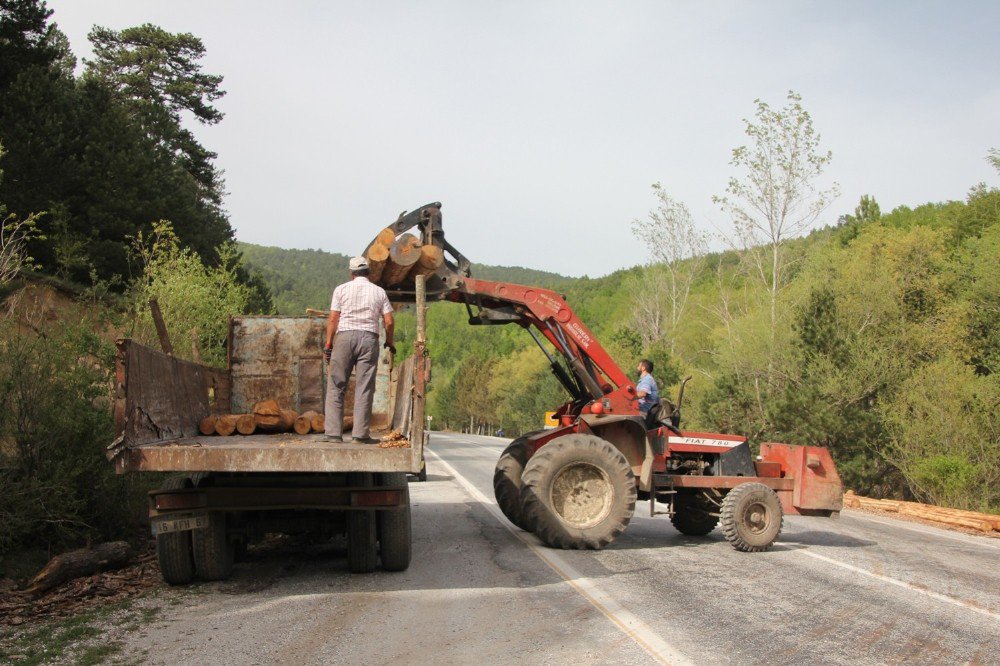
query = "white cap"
x=358 y=264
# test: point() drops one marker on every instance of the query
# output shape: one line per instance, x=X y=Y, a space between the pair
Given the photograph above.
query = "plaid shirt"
x=360 y=304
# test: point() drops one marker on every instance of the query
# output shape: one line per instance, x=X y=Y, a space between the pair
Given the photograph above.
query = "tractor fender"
x=628 y=435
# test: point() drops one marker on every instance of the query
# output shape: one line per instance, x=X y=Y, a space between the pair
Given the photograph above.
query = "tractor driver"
x=646 y=389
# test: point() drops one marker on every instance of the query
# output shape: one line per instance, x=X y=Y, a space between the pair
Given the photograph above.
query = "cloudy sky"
x=541 y=125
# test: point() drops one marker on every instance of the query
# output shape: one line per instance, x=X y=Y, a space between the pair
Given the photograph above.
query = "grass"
x=68 y=639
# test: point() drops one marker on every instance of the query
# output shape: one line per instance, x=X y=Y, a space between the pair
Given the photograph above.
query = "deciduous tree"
x=776 y=194
x=673 y=241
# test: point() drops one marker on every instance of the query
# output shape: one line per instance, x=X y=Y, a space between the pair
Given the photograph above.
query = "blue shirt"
x=648 y=384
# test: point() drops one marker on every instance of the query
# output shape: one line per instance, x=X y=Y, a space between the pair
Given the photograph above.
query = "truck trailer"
x=224 y=493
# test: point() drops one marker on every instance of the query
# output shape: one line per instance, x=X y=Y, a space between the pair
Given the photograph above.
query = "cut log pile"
x=267 y=417
x=394 y=261
x=984 y=522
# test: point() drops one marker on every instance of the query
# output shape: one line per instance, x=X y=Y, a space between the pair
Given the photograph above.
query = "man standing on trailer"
x=352 y=344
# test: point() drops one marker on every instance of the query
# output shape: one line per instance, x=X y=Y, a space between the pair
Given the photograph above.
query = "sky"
x=541 y=126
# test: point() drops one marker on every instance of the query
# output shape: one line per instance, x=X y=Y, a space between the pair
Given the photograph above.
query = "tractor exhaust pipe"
x=675 y=418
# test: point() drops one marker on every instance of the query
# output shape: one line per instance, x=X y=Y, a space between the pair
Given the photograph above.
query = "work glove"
x=327 y=351
x=391 y=347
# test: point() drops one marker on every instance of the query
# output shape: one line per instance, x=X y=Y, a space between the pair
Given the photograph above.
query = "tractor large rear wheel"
x=578 y=492
x=692 y=514
x=507 y=481
x=751 y=517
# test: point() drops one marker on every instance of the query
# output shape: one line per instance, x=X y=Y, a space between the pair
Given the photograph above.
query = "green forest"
x=823 y=322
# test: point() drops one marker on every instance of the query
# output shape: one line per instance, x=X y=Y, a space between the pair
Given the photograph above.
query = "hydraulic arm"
x=580 y=363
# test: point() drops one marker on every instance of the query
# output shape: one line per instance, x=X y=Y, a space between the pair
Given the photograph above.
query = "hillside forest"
x=872 y=333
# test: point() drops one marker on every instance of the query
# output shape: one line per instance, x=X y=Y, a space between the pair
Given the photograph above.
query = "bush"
x=56 y=487
x=196 y=300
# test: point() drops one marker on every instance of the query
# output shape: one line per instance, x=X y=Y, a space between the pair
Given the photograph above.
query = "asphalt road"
x=855 y=590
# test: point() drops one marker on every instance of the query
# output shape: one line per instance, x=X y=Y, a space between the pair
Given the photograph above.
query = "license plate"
x=180 y=524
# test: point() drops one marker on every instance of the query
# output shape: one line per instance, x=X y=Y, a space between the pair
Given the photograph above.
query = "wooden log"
x=226 y=425
x=378 y=257
x=246 y=424
x=207 y=425
x=318 y=422
x=386 y=237
x=267 y=414
x=403 y=254
x=947 y=516
x=285 y=421
x=431 y=259
x=77 y=563
x=985 y=522
x=161 y=327
x=303 y=424
x=884 y=505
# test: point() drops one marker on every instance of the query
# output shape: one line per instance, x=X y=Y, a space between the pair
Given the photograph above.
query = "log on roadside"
x=303 y=424
x=378 y=257
x=207 y=424
x=226 y=425
x=77 y=563
x=884 y=505
x=947 y=518
x=431 y=259
x=246 y=424
x=318 y=422
x=403 y=254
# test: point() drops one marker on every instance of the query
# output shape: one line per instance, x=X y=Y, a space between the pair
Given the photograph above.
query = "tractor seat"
x=662 y=414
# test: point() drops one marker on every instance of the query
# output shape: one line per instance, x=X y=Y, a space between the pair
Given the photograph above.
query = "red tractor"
x=575 y=486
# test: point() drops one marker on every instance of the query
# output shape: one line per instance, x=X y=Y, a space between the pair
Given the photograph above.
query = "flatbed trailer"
x=227 y=492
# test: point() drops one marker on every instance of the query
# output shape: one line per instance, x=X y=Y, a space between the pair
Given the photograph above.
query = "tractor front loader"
x=576 y=486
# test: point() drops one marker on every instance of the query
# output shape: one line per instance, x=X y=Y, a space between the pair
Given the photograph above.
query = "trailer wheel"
x=578 y=492
x=507 y=482
x=214 y=553
x=394 y=530
x=692 y=515
x=751 y=517
x=422 y=474
x=362 y=545
x=173 y=549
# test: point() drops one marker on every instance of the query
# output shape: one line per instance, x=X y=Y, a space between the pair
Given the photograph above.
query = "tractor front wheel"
x=578 y=492
x=751 y=517
x=693 y=514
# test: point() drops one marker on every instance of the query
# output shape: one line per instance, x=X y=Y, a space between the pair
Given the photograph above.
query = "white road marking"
x=631 y=625
x=899 y=583
x=928 y=530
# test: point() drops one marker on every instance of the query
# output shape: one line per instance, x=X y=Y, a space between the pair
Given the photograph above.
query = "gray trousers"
x=352 y=350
